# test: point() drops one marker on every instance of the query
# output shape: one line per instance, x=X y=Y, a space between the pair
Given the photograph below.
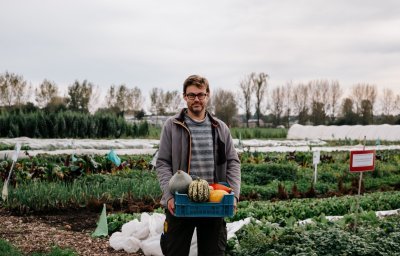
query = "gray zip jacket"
x=175 y=154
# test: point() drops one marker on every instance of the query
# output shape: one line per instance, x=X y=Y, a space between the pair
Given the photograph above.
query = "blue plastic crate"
x=186 y=208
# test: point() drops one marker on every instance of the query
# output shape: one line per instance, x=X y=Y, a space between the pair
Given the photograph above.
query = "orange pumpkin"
x=217 y=195
x=218 y=186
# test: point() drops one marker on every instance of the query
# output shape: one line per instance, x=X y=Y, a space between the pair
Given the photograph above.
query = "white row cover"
x=145 y=234
x=354 y=132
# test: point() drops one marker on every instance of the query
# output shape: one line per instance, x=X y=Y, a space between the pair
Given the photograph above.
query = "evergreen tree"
x=318 y=115
x=14 y=131
x=366 y=112
x=303 y=116
x=143 y=129
x=42 y=125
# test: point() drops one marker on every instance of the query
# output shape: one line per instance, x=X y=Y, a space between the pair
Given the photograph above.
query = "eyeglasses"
x=200 y=96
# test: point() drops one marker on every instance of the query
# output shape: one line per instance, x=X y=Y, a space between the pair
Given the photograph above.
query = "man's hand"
x=171 y=206
x=235 y=201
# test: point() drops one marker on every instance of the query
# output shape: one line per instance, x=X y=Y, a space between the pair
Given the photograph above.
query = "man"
x=198 y=143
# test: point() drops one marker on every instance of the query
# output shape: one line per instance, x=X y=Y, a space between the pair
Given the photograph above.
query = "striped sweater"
x=202 y=162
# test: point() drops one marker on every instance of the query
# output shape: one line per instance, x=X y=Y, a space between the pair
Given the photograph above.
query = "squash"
x=218 y=186
x=216 y=195
x=199 y=190
x=179 y=182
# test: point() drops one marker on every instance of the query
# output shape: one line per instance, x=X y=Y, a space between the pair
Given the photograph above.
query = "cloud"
x=158 y=44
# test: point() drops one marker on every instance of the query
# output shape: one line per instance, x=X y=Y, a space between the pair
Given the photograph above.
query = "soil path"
x=67 y=230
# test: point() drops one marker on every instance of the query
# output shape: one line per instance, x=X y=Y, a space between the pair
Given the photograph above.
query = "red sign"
x=362 y=160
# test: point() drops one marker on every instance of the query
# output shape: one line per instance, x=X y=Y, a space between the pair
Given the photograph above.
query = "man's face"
x=196 y=99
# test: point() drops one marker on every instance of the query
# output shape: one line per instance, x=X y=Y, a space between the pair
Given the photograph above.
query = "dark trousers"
x=178 y=232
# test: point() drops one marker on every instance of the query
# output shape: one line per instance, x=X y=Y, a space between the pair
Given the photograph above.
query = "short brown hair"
x=197 y=81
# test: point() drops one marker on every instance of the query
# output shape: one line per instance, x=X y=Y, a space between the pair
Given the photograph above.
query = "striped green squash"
x=199 y=190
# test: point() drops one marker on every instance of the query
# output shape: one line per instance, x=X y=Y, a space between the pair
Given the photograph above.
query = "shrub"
x=262 y=174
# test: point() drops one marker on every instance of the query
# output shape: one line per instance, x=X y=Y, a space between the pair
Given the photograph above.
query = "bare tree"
x=361 y=92
x=79 y=95
x=124 y=99
x=287 y=101
x=260 y=86
x=277 y=102
x=397 y=103
x=94 y=102
x=12 y=89
x=137 y=99
x=156 y=101
x=317 y=90
x=388 y=102
x=335 y=93
x=225 y=106
x=163 y=103
x=45 y=92
x=111 y=97
x=57 y=103
x=319 y=97
x=172 y=101
x=300 y=99
x=245 y=97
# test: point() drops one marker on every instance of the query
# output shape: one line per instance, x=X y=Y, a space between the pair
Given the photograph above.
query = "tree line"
x=31 y=122
x=316 y=102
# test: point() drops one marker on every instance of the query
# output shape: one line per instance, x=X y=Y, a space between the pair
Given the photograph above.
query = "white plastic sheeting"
x=301 y=141
x=379 y=214
x=145 y=235
x=354 y=132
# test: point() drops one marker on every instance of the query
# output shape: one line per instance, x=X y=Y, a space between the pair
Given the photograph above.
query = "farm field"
x=56 y=199
x=149 y=146
x=40 y=232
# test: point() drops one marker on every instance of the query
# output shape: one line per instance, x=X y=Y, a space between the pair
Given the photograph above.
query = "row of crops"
x=46 y=182
x=277 y=189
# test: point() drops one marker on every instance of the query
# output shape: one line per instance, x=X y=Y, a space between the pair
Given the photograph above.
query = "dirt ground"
x=68 y=229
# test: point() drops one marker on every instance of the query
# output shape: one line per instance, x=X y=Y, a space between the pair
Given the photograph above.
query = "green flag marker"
x=102 y=226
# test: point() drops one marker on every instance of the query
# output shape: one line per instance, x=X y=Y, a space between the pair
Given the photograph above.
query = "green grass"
x=57 y=251
x=8 y=249
x=259 y=133
x=154 y=133
x=244 y=133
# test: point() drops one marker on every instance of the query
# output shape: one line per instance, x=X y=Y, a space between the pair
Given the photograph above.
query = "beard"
x=196 y=109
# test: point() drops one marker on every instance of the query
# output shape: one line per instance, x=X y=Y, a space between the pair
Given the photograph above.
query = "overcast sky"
x=159 y=43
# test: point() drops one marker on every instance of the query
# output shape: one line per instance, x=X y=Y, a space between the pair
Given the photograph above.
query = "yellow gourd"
x=217 y=195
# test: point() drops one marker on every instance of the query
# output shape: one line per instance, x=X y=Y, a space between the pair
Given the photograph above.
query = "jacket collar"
x=180 y=117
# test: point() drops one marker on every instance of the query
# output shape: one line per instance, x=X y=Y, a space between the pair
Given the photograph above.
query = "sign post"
x=361 y=161
x=316 y=160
